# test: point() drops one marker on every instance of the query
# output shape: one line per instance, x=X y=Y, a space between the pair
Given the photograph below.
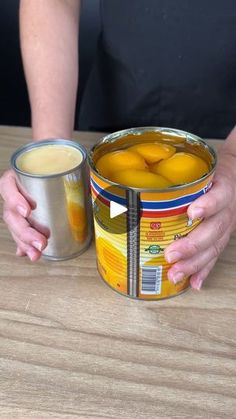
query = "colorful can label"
x=130 y=247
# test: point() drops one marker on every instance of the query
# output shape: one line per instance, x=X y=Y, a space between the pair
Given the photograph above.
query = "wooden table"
x=70 y=347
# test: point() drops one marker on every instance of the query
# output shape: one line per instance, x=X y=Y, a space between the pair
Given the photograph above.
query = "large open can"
x=130 y=247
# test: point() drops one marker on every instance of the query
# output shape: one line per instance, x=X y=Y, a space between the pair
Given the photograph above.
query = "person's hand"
x=196 y=254
x=16 y=209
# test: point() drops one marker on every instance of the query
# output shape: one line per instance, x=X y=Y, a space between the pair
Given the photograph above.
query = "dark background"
x=14 y=104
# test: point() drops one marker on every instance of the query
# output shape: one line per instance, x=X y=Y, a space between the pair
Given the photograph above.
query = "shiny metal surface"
x=52 y=195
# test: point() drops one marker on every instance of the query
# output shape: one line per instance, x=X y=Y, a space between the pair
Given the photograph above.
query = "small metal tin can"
x=63 y=211
x=130 y=247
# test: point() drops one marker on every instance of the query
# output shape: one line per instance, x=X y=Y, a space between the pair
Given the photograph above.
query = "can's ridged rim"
x=190 y=138
x=42 y=143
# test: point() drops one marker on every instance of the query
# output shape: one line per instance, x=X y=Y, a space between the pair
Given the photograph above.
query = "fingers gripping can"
x=53 y=176
x=130 y=247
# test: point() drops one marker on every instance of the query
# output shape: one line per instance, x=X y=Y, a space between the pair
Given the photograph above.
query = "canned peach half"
x=130 y=247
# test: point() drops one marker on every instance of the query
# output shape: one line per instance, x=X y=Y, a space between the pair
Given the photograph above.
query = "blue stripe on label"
x=174 y=203
x=151 y=205
x=108 y=195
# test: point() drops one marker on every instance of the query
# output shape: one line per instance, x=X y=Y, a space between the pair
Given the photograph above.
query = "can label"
x=156 y=234
x=131 y=258
x=110 y=235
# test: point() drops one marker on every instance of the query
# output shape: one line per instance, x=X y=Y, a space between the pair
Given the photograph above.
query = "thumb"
x=219 y=196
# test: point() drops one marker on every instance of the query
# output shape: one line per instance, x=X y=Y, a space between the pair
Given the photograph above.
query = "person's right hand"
x=16 y=209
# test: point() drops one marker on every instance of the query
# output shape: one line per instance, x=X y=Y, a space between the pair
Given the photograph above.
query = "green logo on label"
x=154 y=249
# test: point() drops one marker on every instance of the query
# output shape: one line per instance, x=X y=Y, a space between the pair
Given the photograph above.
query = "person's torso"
x=166 y=63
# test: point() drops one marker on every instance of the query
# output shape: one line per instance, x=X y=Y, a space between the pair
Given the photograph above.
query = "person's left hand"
x=196 y=254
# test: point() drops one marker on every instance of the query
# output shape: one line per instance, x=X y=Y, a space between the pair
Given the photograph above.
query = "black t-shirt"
x=167 y=63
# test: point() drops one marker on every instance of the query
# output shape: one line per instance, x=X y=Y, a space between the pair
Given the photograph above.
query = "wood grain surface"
x=70 y=347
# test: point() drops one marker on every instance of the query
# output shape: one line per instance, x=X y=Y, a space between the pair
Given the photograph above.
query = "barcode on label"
x=151 y=280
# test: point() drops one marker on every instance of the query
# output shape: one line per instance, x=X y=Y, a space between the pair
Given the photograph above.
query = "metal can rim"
x=139 y=130
x=50 y=141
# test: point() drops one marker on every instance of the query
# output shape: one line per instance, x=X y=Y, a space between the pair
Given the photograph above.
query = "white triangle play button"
x=116 y=209
x=113 y=217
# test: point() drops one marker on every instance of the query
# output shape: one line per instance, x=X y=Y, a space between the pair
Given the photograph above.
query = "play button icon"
x=117 y=209
x=114 y=211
